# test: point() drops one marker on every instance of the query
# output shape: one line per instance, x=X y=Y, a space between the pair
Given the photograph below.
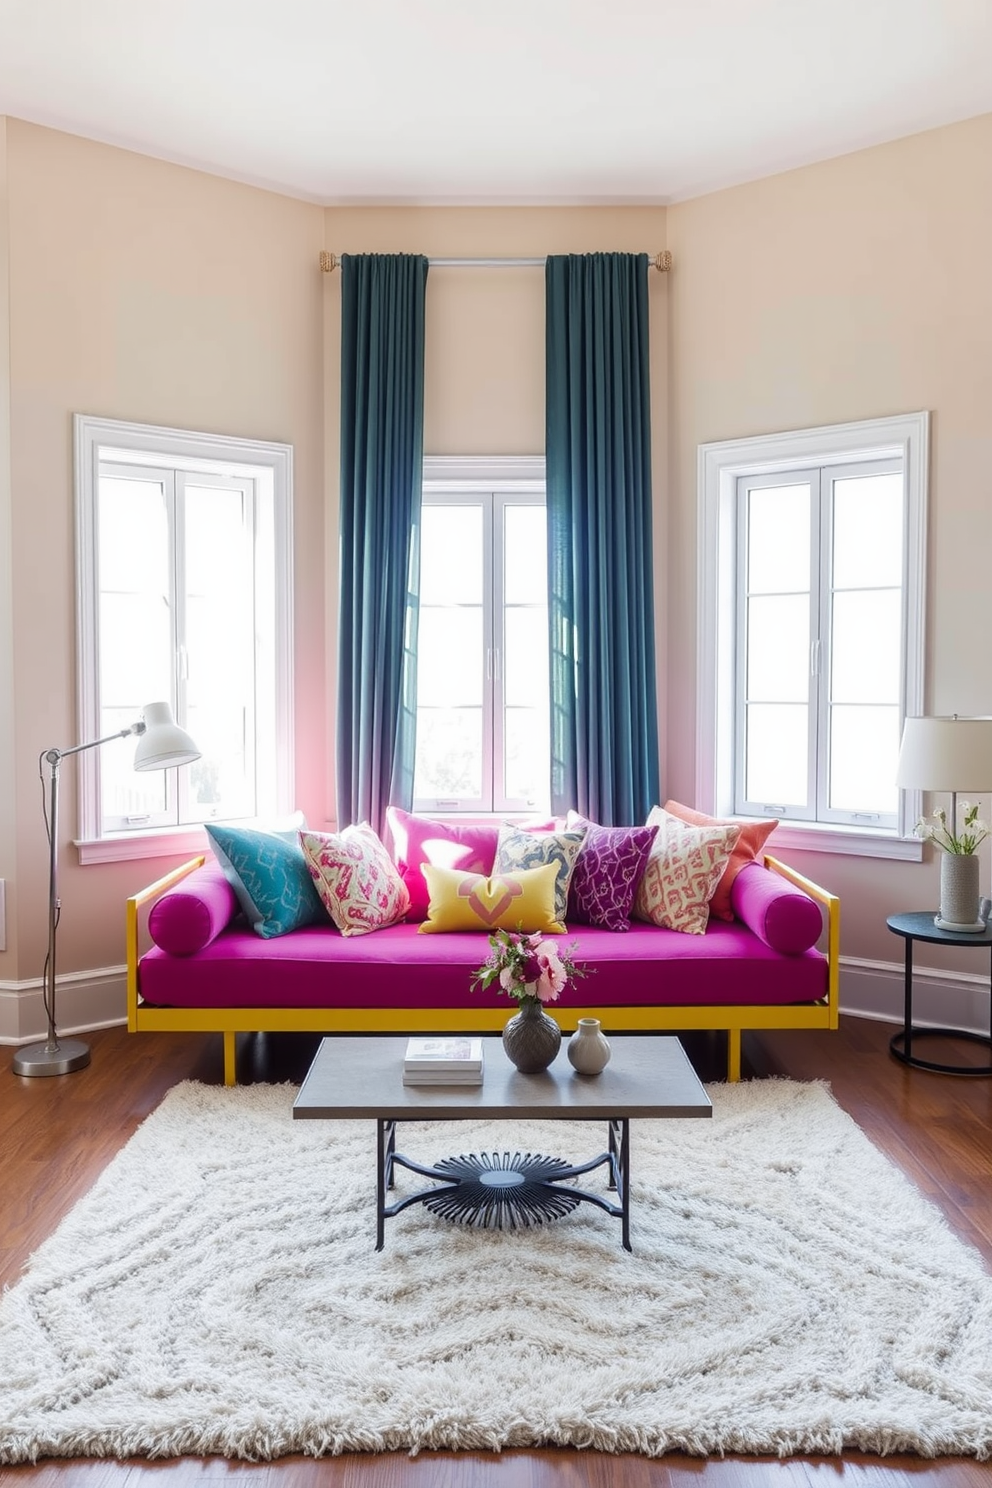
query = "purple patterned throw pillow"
x=607 y=872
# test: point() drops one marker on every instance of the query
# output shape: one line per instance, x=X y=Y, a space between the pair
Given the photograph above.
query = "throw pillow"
x=269 y=877
x=356 y=879
x=518 y=849
x=607 y=872
x=752 y=838
x=419 y=839
x=682 y=871
x=522 y=901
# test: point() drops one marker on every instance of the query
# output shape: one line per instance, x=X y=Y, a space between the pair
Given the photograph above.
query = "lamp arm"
x=55 y=755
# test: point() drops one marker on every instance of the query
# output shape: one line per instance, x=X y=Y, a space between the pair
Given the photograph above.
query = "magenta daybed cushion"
x=778 y=912
x=193 y=913
x=397 y=967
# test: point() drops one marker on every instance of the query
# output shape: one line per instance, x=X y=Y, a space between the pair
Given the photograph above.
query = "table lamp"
x=161 y=745
x=950 y=754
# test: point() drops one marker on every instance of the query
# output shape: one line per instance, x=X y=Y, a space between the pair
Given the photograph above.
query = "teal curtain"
x=604 y=726
x=382 y=442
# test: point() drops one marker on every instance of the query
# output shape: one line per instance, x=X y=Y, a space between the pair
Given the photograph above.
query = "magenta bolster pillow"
x=193 y=912
x=779 y=913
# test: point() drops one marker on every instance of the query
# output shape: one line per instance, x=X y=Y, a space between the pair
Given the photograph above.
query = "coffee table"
x=648 y=1076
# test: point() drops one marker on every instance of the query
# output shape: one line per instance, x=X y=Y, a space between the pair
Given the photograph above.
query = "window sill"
x=848 y=841
x=165 y=843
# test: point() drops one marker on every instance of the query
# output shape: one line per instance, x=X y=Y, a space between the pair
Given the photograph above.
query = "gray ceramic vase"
x=588 y=1049
x=531 y=1039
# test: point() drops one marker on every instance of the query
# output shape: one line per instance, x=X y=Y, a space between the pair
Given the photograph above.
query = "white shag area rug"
x=217 y=1292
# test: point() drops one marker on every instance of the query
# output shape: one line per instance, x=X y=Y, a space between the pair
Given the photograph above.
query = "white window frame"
x=151 y=446
x=505 y=478
x=720 y=466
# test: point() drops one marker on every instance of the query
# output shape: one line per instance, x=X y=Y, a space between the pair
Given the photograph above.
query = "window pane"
x=135 y=634
x=525 y=562
x=449 y=658
x=525 y=658
x=449 y=753
x=777 y=751
x=451 y=539
x=867 y=647
x=527 y=769
x=778 y=539
x=864 y=754
x=868 y=511
x=220 y=621
x=778 y=649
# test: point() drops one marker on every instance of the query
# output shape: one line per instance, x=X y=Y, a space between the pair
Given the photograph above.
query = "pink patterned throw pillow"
x=356 y=879
x=685 y=865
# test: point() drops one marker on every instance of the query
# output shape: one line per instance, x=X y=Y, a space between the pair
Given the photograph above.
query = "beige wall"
x=852 y=289
x=144 y=291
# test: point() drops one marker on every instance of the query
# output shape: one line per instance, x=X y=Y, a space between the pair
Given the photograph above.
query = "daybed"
x=212 y=972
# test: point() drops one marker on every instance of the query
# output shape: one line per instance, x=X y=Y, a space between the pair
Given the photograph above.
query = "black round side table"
x=919 y=925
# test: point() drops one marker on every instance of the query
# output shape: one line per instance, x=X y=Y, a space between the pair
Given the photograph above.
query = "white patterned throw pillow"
x=685 y=865
x=356 y=879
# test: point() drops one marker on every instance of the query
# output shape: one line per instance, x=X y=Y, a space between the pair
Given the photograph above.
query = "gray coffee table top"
x=648 y=1076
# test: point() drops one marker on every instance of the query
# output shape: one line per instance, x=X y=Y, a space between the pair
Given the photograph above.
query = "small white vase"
x=588 y=1049
x=959 y=891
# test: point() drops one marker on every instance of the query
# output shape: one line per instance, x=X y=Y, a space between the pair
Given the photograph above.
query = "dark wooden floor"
x=56 y=1135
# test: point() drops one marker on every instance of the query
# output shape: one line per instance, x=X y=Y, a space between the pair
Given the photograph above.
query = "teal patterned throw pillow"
x=270 y=878
x=518 y=849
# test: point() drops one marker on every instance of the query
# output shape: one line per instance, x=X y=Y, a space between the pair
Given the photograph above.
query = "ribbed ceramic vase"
x=959 y=888
x=588 y=1049
x=531 y=1039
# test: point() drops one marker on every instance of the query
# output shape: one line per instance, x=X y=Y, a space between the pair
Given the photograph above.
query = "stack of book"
x=443 y=1061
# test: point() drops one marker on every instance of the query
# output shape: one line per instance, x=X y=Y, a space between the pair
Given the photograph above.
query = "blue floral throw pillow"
x=519 y=849
x=270 y=878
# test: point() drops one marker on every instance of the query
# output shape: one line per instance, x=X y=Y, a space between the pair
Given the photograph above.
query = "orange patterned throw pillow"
x=523 y=900
x=683 y=870
x=356 y=879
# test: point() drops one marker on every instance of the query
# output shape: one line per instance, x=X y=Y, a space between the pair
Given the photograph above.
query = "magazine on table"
x=459 y=1054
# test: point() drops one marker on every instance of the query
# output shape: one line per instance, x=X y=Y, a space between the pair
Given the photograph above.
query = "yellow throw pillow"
x=523 y=900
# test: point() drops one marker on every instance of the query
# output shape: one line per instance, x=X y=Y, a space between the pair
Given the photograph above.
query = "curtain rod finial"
x=663 y=262
x=328 y=263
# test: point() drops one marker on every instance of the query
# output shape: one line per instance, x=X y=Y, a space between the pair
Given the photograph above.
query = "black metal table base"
x=897 y=1041
x=494 y=1190
x=919 y=925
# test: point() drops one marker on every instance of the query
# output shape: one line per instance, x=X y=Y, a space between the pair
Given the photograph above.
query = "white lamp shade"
x=946 y=754
x=163 y=743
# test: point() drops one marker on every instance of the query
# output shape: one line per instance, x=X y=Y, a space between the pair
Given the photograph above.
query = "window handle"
x=814 y=658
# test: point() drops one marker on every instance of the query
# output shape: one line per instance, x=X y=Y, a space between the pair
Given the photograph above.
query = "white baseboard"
x=87 y=1000
x=84 y=1000
x=941 y=999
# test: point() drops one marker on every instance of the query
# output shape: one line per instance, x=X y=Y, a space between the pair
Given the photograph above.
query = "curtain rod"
x=330 y=261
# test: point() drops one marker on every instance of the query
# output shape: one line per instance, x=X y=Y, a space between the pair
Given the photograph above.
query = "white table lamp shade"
x=163 y=743
x=946 y=754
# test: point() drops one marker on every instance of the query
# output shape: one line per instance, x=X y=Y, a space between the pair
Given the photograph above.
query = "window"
x=482 y=655
x=183 y=552
x=811 y=629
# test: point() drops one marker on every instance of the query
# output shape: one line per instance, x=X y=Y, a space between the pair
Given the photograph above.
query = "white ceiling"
x=523 y=101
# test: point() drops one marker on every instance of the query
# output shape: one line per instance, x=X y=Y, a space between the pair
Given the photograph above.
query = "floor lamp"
x=161 y=744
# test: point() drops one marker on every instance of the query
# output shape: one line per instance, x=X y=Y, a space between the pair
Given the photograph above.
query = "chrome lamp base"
x=57 y=1057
